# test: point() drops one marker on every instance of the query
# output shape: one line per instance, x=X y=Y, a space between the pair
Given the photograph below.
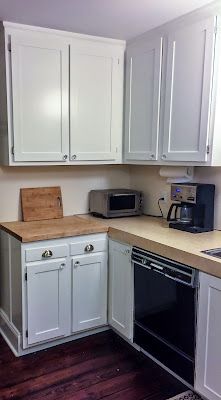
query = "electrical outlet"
x=165 y=195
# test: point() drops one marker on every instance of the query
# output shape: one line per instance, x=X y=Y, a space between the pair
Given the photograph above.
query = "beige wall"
x=147 y=179
x=75 y=183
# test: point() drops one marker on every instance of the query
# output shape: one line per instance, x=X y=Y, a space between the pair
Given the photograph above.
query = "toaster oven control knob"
x=89 y=248
x=74 y=157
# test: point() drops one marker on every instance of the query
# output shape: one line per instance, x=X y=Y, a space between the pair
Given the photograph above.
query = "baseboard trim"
x=10 y=333
x=13 y=337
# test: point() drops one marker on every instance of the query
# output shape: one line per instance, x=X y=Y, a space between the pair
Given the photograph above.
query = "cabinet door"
x=40 y=98
x=143 y=83
x=188 y=92
x=208 y=355
x=89 y=291
x=47 y=300
x=96 y=95
x=120 y=289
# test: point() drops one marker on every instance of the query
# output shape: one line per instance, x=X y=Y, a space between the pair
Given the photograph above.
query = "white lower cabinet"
x=208 y=354
x=89 y=291
x=52 y=291
x=47 y=300
x=120 y=307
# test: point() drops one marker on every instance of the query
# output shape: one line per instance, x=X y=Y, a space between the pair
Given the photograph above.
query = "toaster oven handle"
x=120 y=194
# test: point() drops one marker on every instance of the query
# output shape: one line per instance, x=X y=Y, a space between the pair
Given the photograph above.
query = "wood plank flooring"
x=102 y=366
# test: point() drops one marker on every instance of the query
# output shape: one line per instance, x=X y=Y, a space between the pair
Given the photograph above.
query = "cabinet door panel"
x=40 y=98
x=143 y=84
x=188 y=92
x=47 y=300
x=89 y=291
x=94 y=75
x=208 y=356
x=120 y=289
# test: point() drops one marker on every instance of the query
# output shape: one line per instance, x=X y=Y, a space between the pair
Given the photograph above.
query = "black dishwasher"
x=165 y=302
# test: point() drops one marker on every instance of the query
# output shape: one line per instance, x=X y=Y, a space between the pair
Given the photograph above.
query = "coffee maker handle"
x=170 y=212
x=175 y=213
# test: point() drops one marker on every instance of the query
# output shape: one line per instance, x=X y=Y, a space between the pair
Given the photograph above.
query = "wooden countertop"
x=149 y=233
x=52 y=228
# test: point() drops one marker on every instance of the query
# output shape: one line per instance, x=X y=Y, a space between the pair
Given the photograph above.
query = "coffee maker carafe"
x=195 y=210
x=183 y=213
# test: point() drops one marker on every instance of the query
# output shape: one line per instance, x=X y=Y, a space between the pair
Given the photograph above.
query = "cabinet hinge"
x=118 y=61
x=26 y=333
x=207 y=149
x=217 y=29
x=26 y=276
x=9 y=46
x=13 y=150
x=116 y=149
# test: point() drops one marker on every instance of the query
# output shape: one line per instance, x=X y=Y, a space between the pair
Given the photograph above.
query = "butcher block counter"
x=52 y=228
x=149 y=233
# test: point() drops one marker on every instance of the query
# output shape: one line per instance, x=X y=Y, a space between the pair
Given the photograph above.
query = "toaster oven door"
x=122 y=203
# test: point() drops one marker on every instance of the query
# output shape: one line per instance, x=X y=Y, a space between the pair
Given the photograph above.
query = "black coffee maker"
x=195 y=212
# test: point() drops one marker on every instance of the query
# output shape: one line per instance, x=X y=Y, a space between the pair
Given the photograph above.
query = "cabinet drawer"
x=88 y=245
x=46 y=252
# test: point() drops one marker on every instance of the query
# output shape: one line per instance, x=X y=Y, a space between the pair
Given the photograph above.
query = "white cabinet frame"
x=208 y=350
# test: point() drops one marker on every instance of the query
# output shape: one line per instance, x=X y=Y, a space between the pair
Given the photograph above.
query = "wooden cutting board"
x=41 y=203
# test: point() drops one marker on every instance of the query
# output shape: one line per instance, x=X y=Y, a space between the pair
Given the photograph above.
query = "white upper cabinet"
x=39 y=70
x=96 y=95
x=172 y=102
x=208 y=349
x=64 y=97
x=188 y=92
x=142 y=113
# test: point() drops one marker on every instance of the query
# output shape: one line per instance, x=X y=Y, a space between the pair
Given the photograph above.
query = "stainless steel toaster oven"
x=112 y=203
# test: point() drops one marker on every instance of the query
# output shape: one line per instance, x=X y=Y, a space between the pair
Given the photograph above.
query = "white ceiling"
x=121 y=19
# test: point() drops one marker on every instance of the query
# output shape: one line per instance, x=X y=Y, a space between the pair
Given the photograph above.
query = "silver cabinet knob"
x=89 y=248
x=47 y=254
x=164 y=156
x=62 y=266
x=152 y=156
x=76 y=264
x=65 y=157
x=74 y=157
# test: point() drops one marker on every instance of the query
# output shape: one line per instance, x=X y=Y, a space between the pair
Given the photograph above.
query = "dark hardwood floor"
x=97 y=367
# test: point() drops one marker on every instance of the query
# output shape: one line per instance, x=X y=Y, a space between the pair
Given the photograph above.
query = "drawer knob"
x=47 y=254
x=76 y=264
x=62 y=266
x=89 y=248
